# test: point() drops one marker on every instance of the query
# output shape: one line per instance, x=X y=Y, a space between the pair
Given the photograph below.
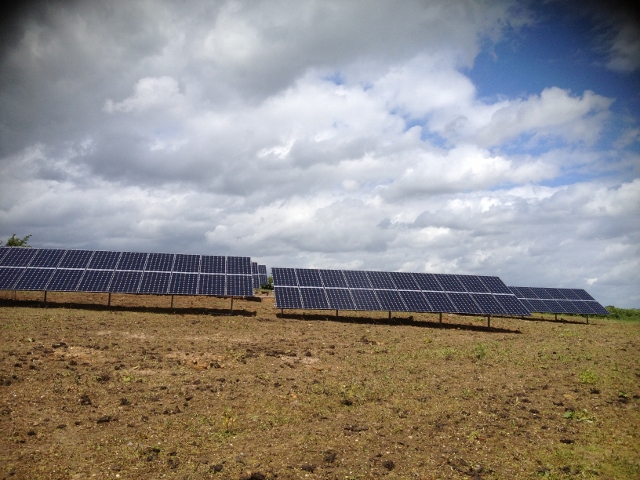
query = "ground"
x=142 y=389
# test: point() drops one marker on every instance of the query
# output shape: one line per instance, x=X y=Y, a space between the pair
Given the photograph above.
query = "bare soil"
x=194 y=391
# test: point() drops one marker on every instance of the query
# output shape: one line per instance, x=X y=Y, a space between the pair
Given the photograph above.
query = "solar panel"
x=239 y=265
x=76 y=259
x=488 y=304
x=254 y=273
x=463 y=303
x=239 y=285
x=558 y=300
x=18 y=257
x=9 y=276
x=104 y=260
x=404 y=281
x=473 y=284
x=96 y=281
x=365 y=299
x=512 y=305
x=381 y=280
x=285 y=277
x=427 y=282
x=494 y=284
x=65 y=280
x=339 y=299
x=314 y=298
x=34 y=279
x=154 y=283
x=288 y=297
x=183 y=284
x=308 y=277
x=262 y=273
x=47 y=258
x=415 y=301
x=186 y=263
x=159 y=262
x=391 y=301
x=212 y=284
x=356 y=279
x=332 y=278
x=450 y=283
x=125 y=282
x=440 y=302
x=132 y=261
x=4 y=251
x=213 y=264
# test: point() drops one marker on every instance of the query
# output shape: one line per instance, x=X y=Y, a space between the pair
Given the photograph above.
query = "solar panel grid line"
x=463 y=303
x=9 y=276
x=511 y=305
x=212 y=284
x=288 y=297
x=415 y=301
x=390 y=300
x=314 y=298
x=473 y=284
x=3 y=252
x=450 y=283
x=154 y=283
x=285 y=277
x=76 y=259
x=494 y=284
x=380 y=280
x=34 y=279
x=132 y=261
x=332 y=278
x=186 y=263
x=365 y=299
x=427 y=282
x=97 y=281
x=47 y=257
x=339 y=299
x=239 y=285
x=404 y=281
x=125 y=281
x=65 y=280
x=18 y=257
x=307 y=277
x=182 y=283
x=488 y=304
x=159 y=262
x=104 y=260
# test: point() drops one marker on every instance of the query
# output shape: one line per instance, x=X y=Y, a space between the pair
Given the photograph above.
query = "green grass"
x=625 y=314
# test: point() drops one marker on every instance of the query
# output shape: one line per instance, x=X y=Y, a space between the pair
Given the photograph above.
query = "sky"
x=491 y=137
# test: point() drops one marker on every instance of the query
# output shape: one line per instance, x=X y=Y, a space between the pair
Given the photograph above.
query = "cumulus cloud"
x=320 y=134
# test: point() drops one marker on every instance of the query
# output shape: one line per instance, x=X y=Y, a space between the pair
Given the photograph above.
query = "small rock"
x=389 y=465
x=307 y=467
x=173 y=462
x=104 y=419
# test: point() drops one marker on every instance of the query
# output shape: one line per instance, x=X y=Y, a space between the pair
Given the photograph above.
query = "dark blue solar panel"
x=391 y=301
x=528 y=292
x=9 y=276
x=381 y=280
x=516 y=291
x=262 y=274
x=96 y=281
x=568 y=293
x=571 y=307
x=439 y=301
x=415 y=301
x=427 y=282
x=3 y=251
x=125 y=282
x=183 y=283
x=463 y=303
x=76 y=259
x=494 y=284
x=333 y=278
x=512 y=305
x=213 y=284
x=159 y=262
x=47 y=258
x=488 y=305
x=239 y=265
x=308 y=277
x=538 y=305
x=356 y=279
x=213 y=264
x=365 y=299
x=288 y=297
x=65 y=280
x=186 y=263
x=314 y=298
x=18 y=257
x=473 y=284
x=583 y=295
x=239 y=285
x=132 y=261
x=103 y=260
x=554 y=306
x=541 y=293
x=340 y=299
x=155 y=283
x=597 y=308
x=555 y=294
x=450 y=283
x=34 y=279
x=285 y=277
x=404 y=281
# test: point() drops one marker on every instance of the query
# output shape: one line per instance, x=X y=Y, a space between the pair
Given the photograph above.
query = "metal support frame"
x=45 y=298
x=488 y=321
x=440 y=317
x=109 y=300
x=231 y=305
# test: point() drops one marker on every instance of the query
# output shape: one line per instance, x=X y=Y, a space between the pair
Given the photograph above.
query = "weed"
x=588 y=376
x=480 y=351
x=228 y=421
x=579 y=415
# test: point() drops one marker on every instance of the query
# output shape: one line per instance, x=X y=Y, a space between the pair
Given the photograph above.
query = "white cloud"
x=149 y=92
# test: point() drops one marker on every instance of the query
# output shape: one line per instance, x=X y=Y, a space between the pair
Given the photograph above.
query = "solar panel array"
x=300 y=288
x=124 y=272
x=558 y=300
x=259 y=273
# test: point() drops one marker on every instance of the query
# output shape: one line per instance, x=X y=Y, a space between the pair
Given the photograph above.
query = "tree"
x=18 y=242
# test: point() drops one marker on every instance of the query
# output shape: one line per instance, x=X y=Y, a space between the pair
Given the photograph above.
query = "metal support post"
x=440 y=317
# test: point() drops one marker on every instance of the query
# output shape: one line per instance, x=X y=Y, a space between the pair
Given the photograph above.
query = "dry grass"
x=146 y=391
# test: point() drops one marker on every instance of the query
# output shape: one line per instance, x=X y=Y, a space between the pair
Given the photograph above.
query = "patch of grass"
x=588 y=376
x=625 y=314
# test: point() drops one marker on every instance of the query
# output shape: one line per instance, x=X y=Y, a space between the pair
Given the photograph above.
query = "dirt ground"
x=143 y=390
